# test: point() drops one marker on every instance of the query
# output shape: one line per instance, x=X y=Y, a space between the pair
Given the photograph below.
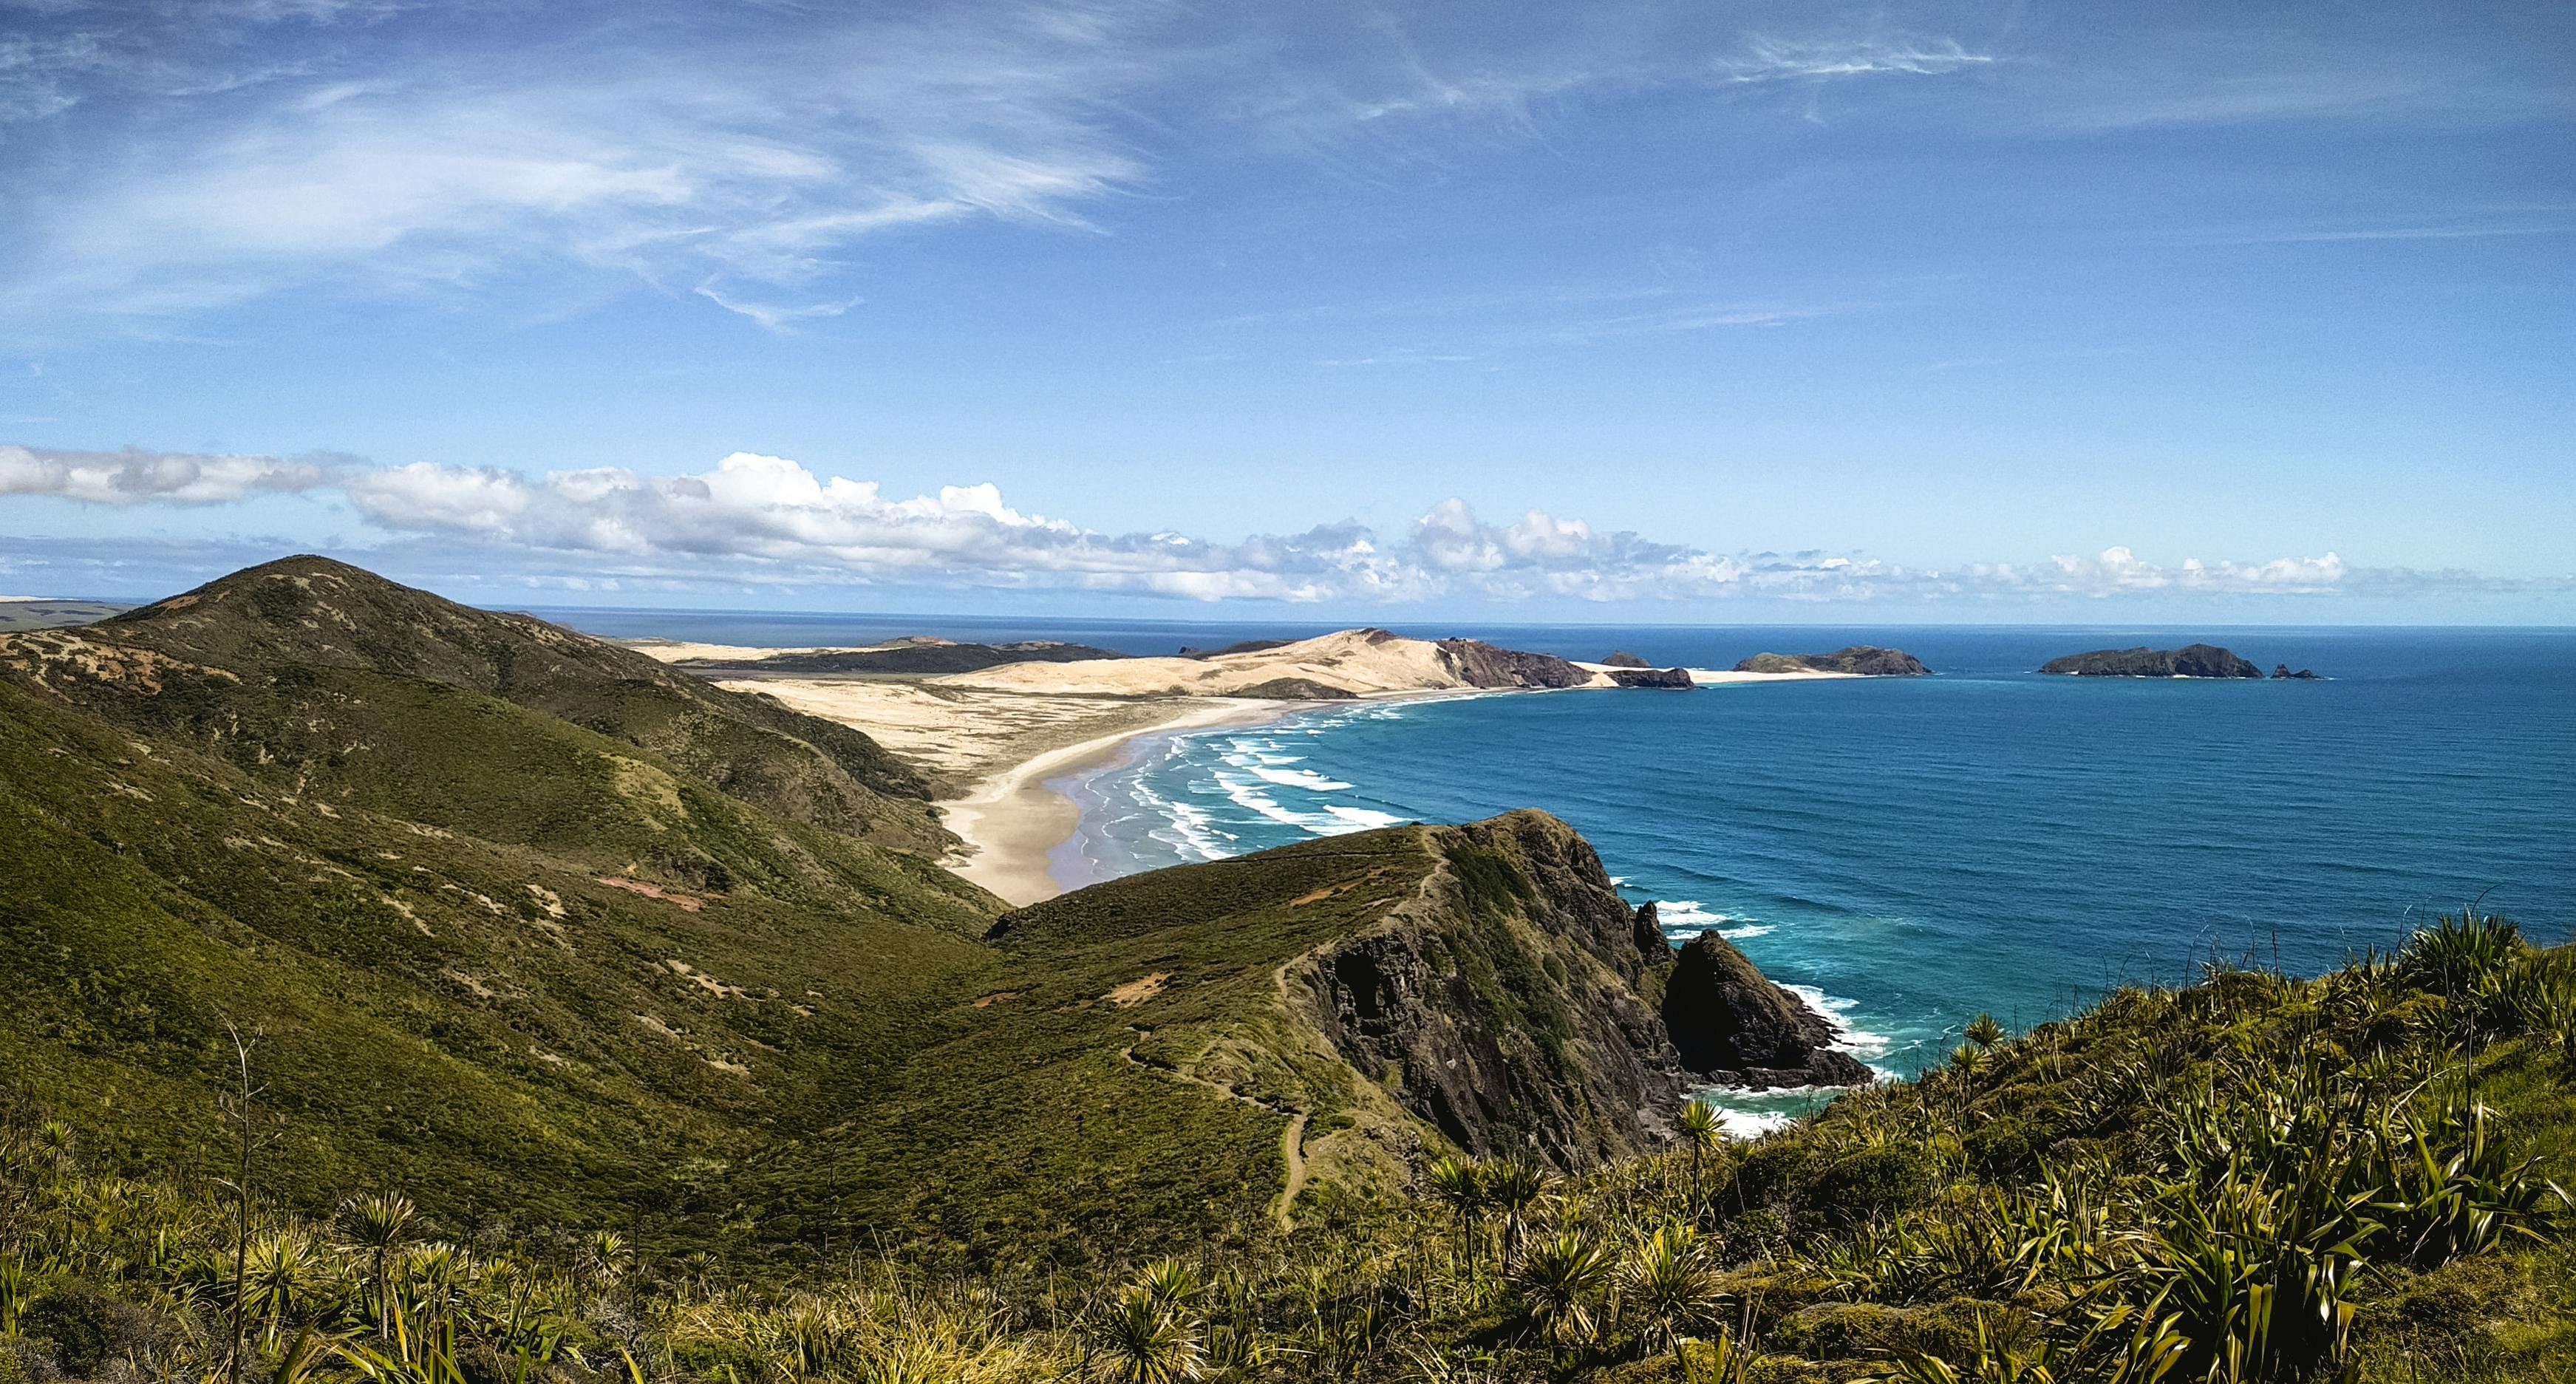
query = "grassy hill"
x=296 y=647
x=604 y=1027
x=543 y=930
x=2256 y=1178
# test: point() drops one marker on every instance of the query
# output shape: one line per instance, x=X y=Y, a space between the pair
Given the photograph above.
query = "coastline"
x=1011 y=821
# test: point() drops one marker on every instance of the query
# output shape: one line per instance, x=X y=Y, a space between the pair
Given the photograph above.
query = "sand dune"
x=1360 y=662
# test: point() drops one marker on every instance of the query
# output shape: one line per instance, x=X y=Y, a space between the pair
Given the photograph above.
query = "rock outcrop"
x=1624 y=659
x=1675 y=679
x=1734 y=1026
x=2189 y=661
x=2282 y=670
x=1505 y=1004
x=1479 y=664
x=1509 y=1003
x=1860 y=660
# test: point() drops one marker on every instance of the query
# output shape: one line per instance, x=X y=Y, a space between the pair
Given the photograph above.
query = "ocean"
x=1910 y=852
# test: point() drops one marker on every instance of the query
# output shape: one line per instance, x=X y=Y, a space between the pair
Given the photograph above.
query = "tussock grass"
x=2255 y=1177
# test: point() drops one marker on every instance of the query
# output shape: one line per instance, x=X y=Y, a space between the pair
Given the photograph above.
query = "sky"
x=1625 y=311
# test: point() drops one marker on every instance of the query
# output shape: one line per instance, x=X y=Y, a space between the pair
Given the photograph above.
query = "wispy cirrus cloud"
x=750 y=160
x=1821 y=59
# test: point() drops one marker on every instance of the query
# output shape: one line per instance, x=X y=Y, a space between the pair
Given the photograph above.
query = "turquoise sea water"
x=1911 y=851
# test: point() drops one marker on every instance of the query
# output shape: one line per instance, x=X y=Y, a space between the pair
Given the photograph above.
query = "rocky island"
x=2189 y=661
x=1860 y=660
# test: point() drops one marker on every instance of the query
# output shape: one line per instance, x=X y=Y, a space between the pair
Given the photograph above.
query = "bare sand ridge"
x=1359 y=662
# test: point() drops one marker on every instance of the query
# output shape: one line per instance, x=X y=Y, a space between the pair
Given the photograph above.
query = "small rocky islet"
x=2189 y=661
x=1860 y=660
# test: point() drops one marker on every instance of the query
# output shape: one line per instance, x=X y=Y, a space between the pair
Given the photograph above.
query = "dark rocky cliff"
x=1731 y=1024
x=1516 y=1000
x=2189 y=661
x=1479 y=664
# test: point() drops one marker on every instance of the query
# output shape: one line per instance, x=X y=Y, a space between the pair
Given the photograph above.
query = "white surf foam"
x=1685 y=918
x=1751 y=1124
x=1185 y=827
x=1835 y=1011
x=1307 y=779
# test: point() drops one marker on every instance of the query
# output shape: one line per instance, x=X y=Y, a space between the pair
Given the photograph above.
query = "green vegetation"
x=2253 y=1178
x=598 y=1027
x=516 y=942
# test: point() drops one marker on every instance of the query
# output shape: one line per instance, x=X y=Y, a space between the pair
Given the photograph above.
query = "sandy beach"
x=1012 y=821
x=990 y=741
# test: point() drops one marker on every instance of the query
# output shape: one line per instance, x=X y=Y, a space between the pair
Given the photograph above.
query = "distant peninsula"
x=2189 y=661
x=1860 y=660
x=919 y=655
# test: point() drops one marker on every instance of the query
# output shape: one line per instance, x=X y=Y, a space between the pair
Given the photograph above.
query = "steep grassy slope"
x=1185 y=1052
x=307 y=641
x=504 y=1024
x=517 y=916
x=2256 y=1179
x=525 y=921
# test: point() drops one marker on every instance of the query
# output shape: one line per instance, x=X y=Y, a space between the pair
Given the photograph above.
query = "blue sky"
x=1636 y=311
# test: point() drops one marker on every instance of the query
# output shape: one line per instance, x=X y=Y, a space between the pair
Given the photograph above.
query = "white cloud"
x=134 y=476
x=725 y=156
x=779 y=520
x=1771 y=60
x=772 y=521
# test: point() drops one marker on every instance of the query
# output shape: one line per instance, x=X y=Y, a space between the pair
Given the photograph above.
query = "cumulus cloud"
x=770 y=520
x=777 y=519
x=134 y=476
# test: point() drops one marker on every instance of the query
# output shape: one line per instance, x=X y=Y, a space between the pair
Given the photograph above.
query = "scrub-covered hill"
x=273 y=668
x=537 y=927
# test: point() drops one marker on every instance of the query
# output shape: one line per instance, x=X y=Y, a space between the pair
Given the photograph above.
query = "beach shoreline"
x=1012 y=821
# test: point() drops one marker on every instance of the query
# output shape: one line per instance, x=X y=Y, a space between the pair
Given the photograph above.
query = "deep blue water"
x=1912 y=851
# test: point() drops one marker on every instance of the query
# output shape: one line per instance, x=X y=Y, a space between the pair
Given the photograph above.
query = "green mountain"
x=481 y=944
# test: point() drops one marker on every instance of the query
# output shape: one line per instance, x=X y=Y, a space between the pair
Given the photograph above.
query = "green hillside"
x=546 y=932
x=605 y=1027
x=2257 y=1178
